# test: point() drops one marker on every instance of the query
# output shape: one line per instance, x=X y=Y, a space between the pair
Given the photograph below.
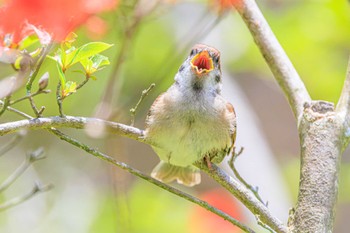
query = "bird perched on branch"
x=191 y=120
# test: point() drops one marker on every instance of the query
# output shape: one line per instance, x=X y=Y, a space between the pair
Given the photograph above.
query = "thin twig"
x=231 y=163
x=30 y=158
x=82 y=83
x=13 y=142
x=244 y=195
x=109 y=93
x=15 y=201
x=5 y=104
x=143 y=95
x=10 y=109
x=32 y=77
x=138 y=173
x=260 y=223
x=31 y=95
x=279 y=63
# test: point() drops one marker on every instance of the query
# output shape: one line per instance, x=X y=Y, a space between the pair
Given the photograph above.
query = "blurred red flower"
x=56 y=17
x=223 y=5
x=201 y=220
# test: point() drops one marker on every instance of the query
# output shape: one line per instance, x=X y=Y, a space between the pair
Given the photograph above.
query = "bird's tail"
x=167 y=173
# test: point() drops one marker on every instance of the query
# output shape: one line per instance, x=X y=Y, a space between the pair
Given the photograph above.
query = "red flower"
x=201 y=220
x=57 y=17
x=223 y=5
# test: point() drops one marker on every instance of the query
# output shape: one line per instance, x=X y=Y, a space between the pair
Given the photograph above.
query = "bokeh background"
x=151 y=39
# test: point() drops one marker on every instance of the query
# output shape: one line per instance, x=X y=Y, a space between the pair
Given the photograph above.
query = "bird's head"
x=201 y=69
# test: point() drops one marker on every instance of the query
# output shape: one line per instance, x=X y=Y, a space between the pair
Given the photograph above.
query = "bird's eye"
x=193 y=52
x=216 y=59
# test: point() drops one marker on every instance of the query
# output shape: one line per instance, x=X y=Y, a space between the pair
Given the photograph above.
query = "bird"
x=191 y=121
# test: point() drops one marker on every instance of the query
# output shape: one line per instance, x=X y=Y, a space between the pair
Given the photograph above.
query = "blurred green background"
x=91 y=196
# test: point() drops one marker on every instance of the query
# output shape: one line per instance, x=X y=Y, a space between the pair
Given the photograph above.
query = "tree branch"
x=71 y=122
x=12 y=143
x=38 y=188
x=321 y=148
x=279 y=63
x=245 y=196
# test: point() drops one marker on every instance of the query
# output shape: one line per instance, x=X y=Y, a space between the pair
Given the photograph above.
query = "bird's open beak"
x=202 y=63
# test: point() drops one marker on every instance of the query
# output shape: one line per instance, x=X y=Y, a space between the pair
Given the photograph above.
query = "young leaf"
x=28 y=41
x=99 y=60
x=69 y=88
x=61 y=75
x=17 y=63
x=87 y=65
x=94 y=63
x=86 y=51
x=70 y=39
x=36 y=53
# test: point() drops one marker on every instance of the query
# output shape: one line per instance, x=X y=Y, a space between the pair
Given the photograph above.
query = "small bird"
x=191 y=120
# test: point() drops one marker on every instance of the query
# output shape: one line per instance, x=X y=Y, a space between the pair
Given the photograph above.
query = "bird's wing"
x=231 y=114
x=153 y=108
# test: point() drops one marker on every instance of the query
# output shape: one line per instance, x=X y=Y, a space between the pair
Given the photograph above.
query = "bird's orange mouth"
x=202 y=63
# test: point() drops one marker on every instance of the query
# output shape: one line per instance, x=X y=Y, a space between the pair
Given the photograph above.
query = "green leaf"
x=94 y=63
x=28 y=41
x=62 y=76
x=87 y=65
x=99 y=61
x=69 y=88
x=85 y=51
x=70 y=39
x=36 y=52
x=62 y=56
x=17 y=63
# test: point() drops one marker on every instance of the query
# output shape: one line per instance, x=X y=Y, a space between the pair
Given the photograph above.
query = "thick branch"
x=245 y=196
x=321 y=148
x=279 y=63
x=71 y=122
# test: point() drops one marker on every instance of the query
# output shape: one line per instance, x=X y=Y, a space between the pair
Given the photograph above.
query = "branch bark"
x=71 y=122
x=279 y=63
x=321 y=147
